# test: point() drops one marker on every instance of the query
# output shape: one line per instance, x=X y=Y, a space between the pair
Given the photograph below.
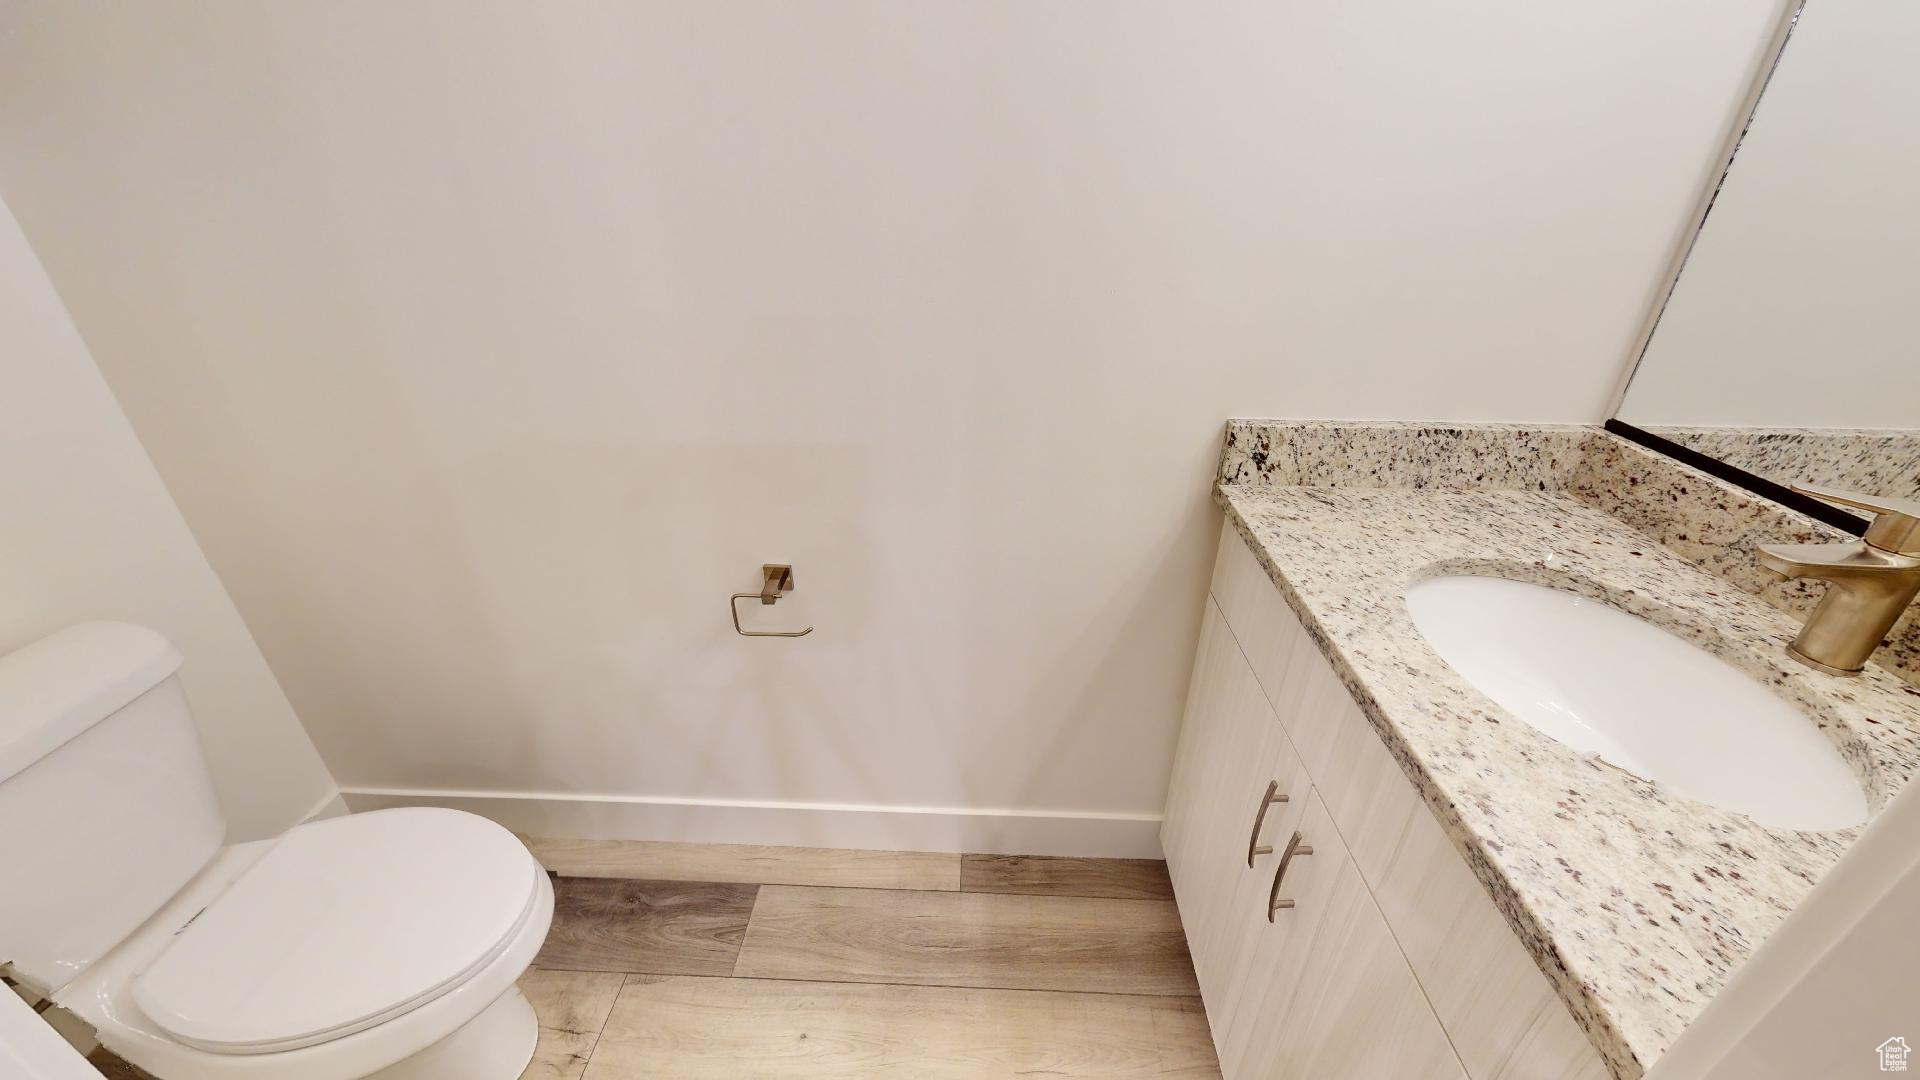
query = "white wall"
x=1797 y=307
x=489 y=346
x=89 y=532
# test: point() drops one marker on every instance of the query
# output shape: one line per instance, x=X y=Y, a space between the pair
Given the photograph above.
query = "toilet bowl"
x=380 y=945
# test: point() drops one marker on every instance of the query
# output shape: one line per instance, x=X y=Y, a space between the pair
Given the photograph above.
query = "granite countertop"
x=1637 y=902
x=1887 y=462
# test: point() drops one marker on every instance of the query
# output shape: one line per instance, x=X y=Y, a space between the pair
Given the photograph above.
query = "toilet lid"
x=344 y=924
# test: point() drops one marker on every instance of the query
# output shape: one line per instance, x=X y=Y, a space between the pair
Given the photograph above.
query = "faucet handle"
x=1896 y=525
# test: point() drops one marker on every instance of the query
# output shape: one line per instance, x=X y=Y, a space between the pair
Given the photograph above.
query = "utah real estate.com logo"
x=1893 y=1055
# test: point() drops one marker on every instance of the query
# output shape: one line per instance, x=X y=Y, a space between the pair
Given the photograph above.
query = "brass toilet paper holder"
x=775 y=578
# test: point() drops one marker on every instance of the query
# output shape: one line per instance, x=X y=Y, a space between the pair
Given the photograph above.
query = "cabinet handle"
x=1254 y=846
x=1294 y=847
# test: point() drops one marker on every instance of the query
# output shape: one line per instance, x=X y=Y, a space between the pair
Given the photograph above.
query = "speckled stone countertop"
x=1636 y=902
x=1851 y=459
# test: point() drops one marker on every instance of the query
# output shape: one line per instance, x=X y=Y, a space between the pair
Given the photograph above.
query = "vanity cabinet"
x=1390 y=959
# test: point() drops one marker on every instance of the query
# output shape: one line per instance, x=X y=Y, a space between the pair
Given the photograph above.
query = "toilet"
x=380 y=945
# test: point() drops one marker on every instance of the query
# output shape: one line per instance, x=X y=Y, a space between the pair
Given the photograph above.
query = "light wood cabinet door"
x=1242 y=918
x=1222 y=730
x=1356 y=1011
x=1198 y=752
x=1273 y=943
x=1231 y=751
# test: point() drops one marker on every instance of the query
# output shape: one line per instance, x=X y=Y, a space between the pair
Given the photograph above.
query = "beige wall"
x=489 y=346
x=89 y=532
x=1809 y=266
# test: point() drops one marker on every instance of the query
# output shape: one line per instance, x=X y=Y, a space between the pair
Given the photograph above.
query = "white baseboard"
x=788 y=824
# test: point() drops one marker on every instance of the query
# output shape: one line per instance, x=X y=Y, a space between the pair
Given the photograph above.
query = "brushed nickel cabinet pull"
x=1254 y=846
x=1294 y=847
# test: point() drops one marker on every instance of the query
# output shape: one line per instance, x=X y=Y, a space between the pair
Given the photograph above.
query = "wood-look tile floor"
x=808 y=963
x=692 y=961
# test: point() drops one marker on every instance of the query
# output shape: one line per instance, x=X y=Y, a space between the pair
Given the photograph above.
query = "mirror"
x=1789 y=345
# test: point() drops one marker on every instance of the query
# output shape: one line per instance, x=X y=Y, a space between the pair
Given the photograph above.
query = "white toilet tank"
x=106 y=806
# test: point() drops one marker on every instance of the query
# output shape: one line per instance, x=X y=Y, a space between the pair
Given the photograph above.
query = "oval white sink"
x=1603 y=682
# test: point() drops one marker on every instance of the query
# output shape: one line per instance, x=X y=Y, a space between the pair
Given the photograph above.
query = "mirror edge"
x=1825 y=513
x=1759 y=485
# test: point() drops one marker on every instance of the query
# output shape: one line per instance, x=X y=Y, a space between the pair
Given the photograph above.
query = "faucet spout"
x=1870 y=583
x=1834 y=561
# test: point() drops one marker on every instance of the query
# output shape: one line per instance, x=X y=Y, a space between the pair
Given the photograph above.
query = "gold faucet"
x=1871 y=581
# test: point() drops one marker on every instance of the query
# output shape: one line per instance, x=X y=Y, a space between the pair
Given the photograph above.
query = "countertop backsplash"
x=1875 y=461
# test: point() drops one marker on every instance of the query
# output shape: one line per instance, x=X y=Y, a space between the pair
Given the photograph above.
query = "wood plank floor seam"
x=748 y=863
x=629 y=975
x=601 y=1034
x=884 y=889
x=953 y=892
x=735 y=972
x=940 y=986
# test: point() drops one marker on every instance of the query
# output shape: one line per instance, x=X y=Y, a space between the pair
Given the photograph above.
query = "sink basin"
x=1606 y=683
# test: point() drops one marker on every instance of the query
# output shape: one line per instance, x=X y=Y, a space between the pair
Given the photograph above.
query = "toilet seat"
x=344 y=925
